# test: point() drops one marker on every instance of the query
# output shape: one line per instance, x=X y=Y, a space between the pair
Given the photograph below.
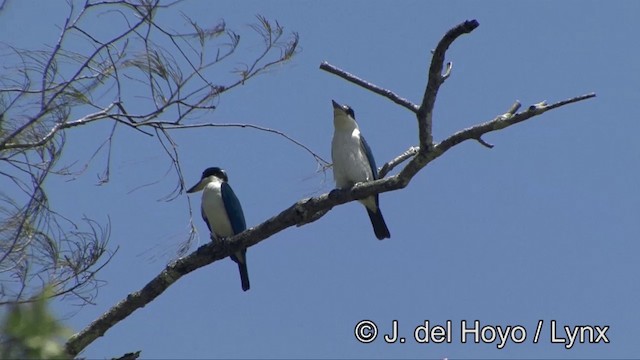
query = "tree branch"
x=425 y=112
x=384 y=170
x=102 y=114
x=503 y=121
x=369 y=86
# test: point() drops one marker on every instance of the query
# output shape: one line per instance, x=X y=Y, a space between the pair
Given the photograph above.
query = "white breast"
x=214 y=210
x=350 y=163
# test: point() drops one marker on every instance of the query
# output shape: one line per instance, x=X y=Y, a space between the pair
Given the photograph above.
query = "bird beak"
x=197 y=187
x=338 y=109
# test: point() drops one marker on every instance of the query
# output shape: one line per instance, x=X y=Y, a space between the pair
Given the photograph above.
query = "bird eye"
x=349 y=111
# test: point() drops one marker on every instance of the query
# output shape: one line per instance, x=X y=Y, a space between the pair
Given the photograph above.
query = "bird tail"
x=241 y=259
x=379 y=226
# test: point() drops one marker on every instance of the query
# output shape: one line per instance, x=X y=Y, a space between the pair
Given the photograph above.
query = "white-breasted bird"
x=353 y=162
x=222 y=212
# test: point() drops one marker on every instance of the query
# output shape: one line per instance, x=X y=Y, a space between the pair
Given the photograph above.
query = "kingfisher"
x=222 y=212
x=353 y=162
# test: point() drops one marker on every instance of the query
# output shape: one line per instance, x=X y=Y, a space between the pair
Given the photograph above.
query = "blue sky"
x=542 y=227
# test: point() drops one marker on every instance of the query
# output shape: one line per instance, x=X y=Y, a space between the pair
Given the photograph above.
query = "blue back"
x=233 y=208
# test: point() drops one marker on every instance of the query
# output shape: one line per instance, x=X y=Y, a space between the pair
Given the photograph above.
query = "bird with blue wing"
x=353 y=162
x=222 y=212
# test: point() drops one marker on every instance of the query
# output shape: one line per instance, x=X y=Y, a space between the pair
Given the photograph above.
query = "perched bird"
x=353 y=162
x=222 y=212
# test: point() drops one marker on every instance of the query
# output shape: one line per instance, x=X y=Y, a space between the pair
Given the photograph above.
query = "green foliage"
x=29 y=331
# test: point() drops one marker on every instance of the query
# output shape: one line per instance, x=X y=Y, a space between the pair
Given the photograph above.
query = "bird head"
x=343 y=115
x=210 y=174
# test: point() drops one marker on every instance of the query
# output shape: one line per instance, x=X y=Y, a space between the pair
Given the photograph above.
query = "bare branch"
x=501 y=122
x=425 y=112
x=369 y=86
x=386 y=168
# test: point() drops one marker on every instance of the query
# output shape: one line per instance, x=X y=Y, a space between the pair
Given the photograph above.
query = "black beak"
x=336 y=105
x=194 y=188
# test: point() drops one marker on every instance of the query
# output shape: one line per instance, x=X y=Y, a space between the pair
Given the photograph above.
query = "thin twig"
x=514 y=108
x=317 y=157
x=447 y=72
x=484 y=143
x=102 y=114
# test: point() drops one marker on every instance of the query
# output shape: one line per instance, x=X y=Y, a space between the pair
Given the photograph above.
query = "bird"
x=222 y=212
x=353 y=162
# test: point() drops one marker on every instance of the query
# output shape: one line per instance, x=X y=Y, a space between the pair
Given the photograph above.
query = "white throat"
x=343 y=122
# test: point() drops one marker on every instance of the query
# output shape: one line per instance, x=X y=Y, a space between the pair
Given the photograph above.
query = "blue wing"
x=379 y=226
x=372 y=162
x=234 y=209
